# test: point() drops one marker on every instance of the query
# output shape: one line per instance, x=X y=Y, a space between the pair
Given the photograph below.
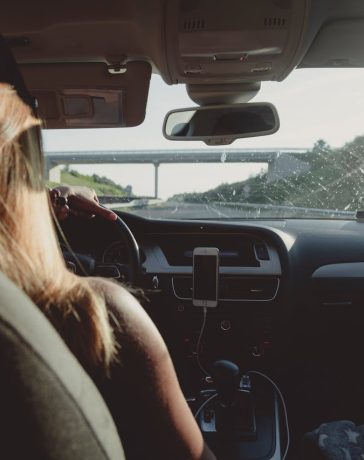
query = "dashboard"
x=290 y=298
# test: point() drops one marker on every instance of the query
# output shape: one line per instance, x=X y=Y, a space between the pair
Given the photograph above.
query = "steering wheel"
x=131 y=271
x=85 y=265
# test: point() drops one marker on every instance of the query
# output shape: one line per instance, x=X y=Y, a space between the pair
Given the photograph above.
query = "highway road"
x=195 y=211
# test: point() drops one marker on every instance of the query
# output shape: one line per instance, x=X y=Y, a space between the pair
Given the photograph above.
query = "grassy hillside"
x=335 y=181
x=102 y=185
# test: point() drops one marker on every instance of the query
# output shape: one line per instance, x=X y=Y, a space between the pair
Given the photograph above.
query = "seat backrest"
x=49 y=407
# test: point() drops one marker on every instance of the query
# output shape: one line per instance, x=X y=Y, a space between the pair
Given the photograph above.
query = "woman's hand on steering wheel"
x=83 y=202
x=79 y=201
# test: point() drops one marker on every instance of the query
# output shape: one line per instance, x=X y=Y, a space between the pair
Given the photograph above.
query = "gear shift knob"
x=226 y=377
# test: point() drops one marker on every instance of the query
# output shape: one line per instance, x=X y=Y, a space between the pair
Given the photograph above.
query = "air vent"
x=192 y=25
x=248 y=289
x=233 y=288
x=274 y=22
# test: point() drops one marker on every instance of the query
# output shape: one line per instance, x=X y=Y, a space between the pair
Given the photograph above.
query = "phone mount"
x=205 y=280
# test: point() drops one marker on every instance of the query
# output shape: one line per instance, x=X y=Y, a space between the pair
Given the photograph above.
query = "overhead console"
x=211 y=42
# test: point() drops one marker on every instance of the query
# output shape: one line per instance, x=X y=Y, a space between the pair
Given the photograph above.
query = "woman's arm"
x=143 y=392
x=77 y=200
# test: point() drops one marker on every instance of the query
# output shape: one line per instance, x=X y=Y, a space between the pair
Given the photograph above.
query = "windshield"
x=312 y=167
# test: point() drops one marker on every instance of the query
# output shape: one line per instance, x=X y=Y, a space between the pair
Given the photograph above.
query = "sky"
x=312 y=104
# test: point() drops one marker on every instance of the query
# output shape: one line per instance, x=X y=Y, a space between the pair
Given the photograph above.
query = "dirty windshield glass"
x=312 y=167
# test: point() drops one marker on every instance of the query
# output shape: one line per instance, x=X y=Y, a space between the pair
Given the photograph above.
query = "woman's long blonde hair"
x=29 y=252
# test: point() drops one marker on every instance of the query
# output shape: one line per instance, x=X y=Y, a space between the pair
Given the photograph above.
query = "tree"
x=335 y=180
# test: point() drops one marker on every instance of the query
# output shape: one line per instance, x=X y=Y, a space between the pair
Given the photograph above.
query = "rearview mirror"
x=221 y=124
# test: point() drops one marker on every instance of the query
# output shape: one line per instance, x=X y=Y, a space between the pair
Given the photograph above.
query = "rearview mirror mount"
x=221 y=124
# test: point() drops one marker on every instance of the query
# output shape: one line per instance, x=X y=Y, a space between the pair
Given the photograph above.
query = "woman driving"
x=100 y=321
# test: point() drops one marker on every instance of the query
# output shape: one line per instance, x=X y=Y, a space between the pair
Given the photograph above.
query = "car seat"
x=49 y=407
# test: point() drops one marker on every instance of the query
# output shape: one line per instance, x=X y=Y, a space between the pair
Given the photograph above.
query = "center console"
x=241 y=328
x=240 y=417
x=239 y=413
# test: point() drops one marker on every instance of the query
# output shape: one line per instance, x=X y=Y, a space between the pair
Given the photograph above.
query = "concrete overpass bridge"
x=273 y=157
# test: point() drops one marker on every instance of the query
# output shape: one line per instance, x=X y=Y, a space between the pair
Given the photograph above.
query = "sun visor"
x=88 y=95
x=338 y=44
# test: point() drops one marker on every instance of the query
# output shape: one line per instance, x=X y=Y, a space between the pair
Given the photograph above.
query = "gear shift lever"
x=226 y=377
x=234 y=414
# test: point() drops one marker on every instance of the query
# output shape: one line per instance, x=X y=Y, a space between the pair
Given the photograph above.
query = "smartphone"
x=205 y=277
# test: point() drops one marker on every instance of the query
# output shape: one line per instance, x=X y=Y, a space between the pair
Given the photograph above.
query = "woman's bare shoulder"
x=132 y=320
x=113 y=292
x=153 y=386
